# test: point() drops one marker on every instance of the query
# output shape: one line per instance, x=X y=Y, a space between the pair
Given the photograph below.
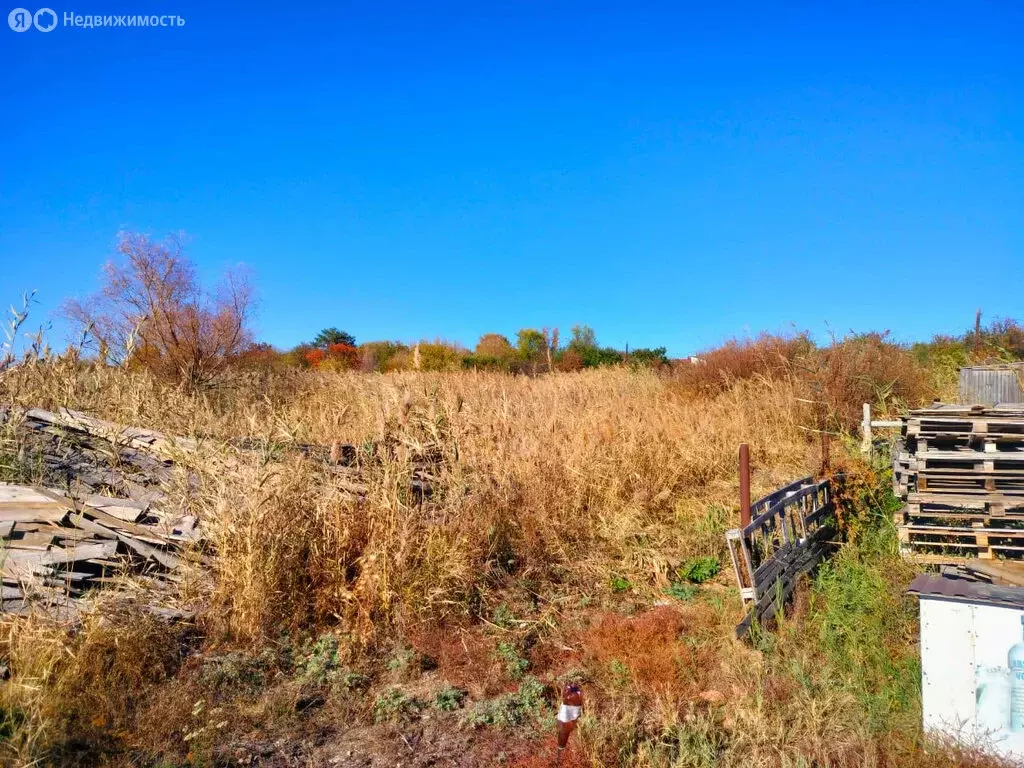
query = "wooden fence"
x=790 y=531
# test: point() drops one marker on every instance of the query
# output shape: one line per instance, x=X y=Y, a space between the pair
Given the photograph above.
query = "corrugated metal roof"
x=992 y=384
x=965 y=591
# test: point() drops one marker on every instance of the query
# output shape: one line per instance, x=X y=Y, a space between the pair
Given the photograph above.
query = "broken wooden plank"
x=166 y=559
x=56 y=556
x=39 y=539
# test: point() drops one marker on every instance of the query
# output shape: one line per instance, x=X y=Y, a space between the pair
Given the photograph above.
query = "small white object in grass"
x=567 y=714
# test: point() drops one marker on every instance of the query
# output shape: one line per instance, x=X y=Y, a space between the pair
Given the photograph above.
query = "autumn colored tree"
x=342 y=356
x=494 y=353
x=152 y=310
x=314 y=357
x=1002 y=340
x=570 y=360
x=439 y=356
x=259 y=356
x=494 y=345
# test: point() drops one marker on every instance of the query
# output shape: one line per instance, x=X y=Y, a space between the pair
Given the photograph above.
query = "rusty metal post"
x=744 y=485
x=826 y=458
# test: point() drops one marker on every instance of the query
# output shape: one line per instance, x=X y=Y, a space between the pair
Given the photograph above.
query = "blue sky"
x=668 y=173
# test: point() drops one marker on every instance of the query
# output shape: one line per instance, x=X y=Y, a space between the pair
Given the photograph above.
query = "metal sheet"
x=947 y=689
x=966 y=682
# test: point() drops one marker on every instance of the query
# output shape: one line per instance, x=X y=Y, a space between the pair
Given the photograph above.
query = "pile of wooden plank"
x=94 y=504
x=960 y=469
x=56 y=547
x=68 y=449
x=95 y=511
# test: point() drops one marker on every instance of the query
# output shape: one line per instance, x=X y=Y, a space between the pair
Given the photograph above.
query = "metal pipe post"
x=744 y=485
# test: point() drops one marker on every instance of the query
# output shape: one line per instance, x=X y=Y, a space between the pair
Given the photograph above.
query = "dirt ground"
x=430 y=742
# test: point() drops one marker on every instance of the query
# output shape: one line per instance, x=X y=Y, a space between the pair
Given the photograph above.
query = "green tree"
x=440 y=356
x=380 y=355
x=594 y=357
x=329 y=336
x=651 y=358
x=532 y=346
x=583 y=337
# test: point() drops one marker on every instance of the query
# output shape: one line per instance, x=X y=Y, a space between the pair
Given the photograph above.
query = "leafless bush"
x=152 y=311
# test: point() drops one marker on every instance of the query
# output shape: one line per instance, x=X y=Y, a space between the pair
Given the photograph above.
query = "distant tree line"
x=534 y=351
x=152 y=312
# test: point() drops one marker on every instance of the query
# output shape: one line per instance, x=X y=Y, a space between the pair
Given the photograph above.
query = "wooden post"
x=977 y=334
x=826 y=458
x=865 y=430
x=744 y=485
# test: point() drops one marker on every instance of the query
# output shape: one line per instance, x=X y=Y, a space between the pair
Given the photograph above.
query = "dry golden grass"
x=566 y=478
x=544 y=489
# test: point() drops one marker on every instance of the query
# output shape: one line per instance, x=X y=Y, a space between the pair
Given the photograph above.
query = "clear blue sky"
x=668 y=173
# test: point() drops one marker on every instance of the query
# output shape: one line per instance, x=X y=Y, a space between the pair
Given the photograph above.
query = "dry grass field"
x=574 y=531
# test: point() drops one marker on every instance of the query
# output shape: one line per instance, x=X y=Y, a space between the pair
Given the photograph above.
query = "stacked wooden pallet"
x=960 y=469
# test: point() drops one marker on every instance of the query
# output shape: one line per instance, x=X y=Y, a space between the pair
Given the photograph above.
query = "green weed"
x=680 y=591
x=620 y=584
x=515 y=665
x=526 y=705
x=320 y=661
x=503 y=617
x=237 y=672
x=699 y=569
x=449 y=698
x=395 y=704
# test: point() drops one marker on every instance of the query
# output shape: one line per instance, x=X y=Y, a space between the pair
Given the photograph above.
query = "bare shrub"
x=836 y=379
x=867 y=368
x=715 y=370
x=152 y=311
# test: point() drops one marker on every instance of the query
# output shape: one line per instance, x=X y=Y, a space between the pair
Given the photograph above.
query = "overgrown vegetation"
x=574 y=532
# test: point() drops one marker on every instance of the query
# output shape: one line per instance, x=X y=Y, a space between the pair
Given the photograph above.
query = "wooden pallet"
x=942 y=529
x=967 y=460
x=929 y=506
x=791 y=531
x=1010 y=429
x=965 y=411
x=1006 y=481
x=984 y=543
x=968 y=443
